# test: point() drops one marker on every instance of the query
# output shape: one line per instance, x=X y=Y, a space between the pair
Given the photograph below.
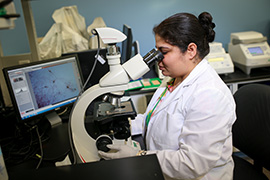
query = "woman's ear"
x=192 y=50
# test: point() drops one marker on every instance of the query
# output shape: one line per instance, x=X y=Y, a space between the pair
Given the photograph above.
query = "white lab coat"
x=190 y=130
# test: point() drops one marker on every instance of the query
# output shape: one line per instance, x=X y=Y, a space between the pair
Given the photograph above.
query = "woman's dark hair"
x=182 y=29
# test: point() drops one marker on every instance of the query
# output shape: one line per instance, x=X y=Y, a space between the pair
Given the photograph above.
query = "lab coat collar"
x=178 y=92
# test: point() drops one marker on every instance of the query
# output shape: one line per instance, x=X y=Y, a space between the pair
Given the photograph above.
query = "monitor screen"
x=43 y=86
x=126 y=51
x=254 y=51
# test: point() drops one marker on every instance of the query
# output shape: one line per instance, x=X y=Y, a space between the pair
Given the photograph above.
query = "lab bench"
x=133 y=168
x=233 y=80
x=57 y=147
x=238 y=78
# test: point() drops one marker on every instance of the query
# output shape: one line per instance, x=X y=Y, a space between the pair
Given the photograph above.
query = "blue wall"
x=142 y=15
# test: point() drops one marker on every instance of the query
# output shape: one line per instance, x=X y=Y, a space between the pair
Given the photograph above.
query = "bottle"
x=3 y=170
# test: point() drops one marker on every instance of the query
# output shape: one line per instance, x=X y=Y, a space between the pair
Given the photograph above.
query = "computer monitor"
x=44 y=86
x=126 y=51
x=2 y=103
x=86 y=60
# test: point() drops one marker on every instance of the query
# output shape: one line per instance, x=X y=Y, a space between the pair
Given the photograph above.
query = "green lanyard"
x=151 y=111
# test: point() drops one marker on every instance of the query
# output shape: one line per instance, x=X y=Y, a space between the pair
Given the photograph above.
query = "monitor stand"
x=54 y=119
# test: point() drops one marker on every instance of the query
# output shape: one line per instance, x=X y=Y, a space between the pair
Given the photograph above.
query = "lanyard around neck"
x=149 y=115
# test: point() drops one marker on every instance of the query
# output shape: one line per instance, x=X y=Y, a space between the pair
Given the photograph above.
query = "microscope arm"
x=83 y=142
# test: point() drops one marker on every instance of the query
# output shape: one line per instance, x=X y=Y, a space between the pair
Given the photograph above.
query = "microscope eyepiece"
x=152 y=56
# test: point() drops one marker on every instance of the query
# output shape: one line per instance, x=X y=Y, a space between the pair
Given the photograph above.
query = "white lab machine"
x=110 y=122
x=219 y=59
x=249 y=50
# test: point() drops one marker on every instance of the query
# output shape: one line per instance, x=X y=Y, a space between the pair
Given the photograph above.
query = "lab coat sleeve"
x=209 y=115
x=137 y=125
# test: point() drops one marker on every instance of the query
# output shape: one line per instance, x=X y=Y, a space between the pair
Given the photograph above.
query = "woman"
x=188 y=122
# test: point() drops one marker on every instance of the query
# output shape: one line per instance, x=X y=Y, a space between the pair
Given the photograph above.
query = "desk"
x=133 y=168
x=238 y=77
x=56 y=149
x=233 y=80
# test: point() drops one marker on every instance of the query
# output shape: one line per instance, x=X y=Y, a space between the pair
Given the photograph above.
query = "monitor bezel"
x=13 y=98
x=127 y=44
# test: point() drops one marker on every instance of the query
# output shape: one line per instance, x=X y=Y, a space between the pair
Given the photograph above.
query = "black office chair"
x=251 y=131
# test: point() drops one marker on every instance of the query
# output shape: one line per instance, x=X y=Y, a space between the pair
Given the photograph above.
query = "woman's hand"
x=119 y=151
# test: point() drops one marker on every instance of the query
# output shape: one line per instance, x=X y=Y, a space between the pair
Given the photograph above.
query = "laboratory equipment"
x=39 y=88
x=111 y=117
x=249 y=50
x=219 y=59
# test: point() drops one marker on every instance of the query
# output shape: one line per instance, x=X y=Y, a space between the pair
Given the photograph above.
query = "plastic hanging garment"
x=68 y=34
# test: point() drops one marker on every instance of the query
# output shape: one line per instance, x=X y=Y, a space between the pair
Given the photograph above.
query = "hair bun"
x=205 y=20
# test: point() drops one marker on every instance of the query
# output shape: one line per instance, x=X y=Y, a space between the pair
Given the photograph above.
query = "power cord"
x=40 y=145
x=25 y=144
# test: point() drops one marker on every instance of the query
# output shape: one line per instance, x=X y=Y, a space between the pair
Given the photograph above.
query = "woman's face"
x=175 y=63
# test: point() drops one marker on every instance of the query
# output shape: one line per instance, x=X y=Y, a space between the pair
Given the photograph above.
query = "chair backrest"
x=251 y=131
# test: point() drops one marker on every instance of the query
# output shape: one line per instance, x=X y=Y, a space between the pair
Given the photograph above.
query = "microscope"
x=110 y=123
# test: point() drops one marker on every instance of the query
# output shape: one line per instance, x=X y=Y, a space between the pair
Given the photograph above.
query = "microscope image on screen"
x=53 y=84
x=41 y=87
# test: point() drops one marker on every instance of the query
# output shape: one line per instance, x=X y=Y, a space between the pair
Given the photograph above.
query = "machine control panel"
x=219 y=59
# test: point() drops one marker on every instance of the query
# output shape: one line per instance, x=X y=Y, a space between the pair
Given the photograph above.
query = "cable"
x=88 y=78
x=63 y=112
x=23 y=146
x=96 y=59
x=41 y=149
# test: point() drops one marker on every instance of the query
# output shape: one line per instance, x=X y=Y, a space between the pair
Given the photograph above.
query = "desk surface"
x=239 y=76
x=133 y=168
x=57 y=147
